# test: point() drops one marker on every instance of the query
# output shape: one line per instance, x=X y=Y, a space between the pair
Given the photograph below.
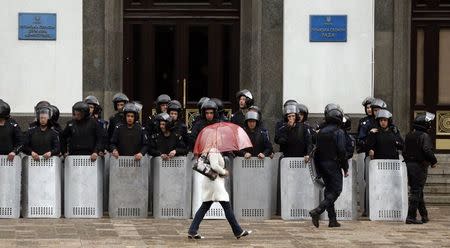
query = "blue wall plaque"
x=37 y=26
x=328 y=28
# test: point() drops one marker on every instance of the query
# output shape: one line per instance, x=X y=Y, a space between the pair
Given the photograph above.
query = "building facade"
x=190 y=49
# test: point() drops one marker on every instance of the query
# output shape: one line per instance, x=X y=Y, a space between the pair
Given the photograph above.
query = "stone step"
x=439 y=170
x=443 y=157
x=438 y=178
x=437 y=199
x=431 y=189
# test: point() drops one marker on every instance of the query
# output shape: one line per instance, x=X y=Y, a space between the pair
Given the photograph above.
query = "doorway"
x=430 y=58
x=190 y=52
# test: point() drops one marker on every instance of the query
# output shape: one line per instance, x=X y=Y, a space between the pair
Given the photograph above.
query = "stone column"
x=93 y=48
x=113 y=52
x=261 y=62
x=392 y=58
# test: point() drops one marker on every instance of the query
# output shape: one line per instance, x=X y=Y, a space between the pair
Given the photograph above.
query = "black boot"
x=334 y=223
x=411 y=220
x=315 y=215
x=425 y=219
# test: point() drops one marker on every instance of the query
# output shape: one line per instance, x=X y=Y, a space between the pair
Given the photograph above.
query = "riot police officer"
x=385 y=140
x=10 y=134
x=303 y=118
x=42 y=140
x=283 y=119
x=209 y=116
x=259 y=137
x=294 y=137
x=328 y=158
x=418 y=154
x=376 y=105
x=119 y=100
x=166 y=143
x=220 y=109
x=175 y=110
x=362 y=122
x=350 y=141
x=130 y=139
x=162 y=102
x=197 y=116
x=82 y=135
x=245 y=100
x=95 y=111
x=37 y=107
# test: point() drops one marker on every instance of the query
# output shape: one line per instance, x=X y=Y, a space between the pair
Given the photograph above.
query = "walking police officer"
x=329 y=157
x=418 y=154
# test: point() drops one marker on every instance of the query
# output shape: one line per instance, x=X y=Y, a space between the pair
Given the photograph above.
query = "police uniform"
x=129 y=141
x=329 y=157
x=42 y=141
x=11 y=137
x=418 y=154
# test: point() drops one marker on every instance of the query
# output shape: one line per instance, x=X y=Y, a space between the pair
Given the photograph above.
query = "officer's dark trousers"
x=332 y=177
x=417 y=177
x=237 y=230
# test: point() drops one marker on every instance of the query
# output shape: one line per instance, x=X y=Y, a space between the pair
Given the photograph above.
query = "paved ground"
x=273 y=233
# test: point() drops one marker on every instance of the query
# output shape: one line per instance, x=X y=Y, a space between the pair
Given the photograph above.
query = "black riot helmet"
x=131 y=108
x=200 y=103
x=255 y=108
x=166 y=118
x=383 y=113
x=248 y=97
x=378 y=103
x=92 y=100
x=423 y=121
x=55 y=114
x=303 y=110
x=41 y=104
x=334 y=114
x=210 y=104
x=347 y=123
x=174 y=105
x=291 y=109
x=290 y=102
x=119 y=97
x=81 y=107
x=367 y=101
x=44 y=111
x=219 y=103
x=252 y=115
x=332 y=106
x=5 y=110
x=163 y=98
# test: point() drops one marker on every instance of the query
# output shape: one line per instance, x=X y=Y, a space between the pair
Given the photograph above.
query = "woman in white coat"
x=214 y=191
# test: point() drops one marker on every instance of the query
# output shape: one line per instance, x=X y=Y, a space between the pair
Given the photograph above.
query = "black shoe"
x=413 y=221
x=195 y=236
x=425 y=219
x=244 y=233
x=334 y=223
x=315 y=217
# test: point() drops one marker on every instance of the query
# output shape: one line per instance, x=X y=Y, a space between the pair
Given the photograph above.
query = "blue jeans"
x=237 y=230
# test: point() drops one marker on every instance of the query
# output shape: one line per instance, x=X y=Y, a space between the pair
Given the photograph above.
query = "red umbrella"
x=224 y=136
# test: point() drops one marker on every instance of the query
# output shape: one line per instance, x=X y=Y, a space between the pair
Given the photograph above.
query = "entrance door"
x=430 y=60
x=186 y=57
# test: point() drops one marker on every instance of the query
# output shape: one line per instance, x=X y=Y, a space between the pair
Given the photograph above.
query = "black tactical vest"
x=413 y=148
